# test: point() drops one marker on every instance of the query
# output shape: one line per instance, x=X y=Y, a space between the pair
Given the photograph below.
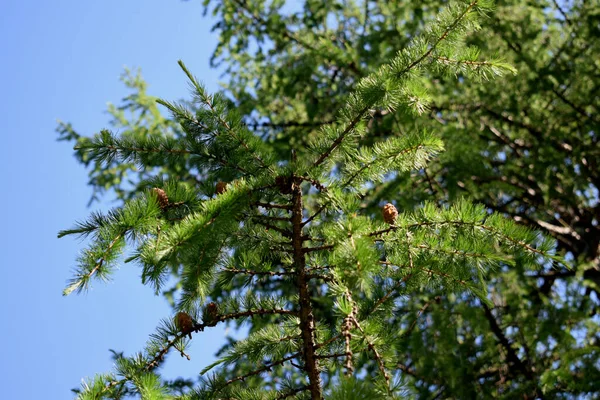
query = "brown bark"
x=307 y=321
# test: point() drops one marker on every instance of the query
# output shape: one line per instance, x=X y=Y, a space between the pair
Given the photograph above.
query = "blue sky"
x=61 y=60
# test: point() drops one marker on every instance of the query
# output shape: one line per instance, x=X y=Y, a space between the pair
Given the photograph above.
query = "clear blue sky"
x=61 y=59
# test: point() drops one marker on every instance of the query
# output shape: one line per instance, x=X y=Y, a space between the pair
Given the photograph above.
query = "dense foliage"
x=333 y=110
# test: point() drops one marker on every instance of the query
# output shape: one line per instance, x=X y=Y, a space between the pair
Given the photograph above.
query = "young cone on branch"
x=220 y=187
x=184 y=322
x=390 y=213
x=163 y=199
x=210 y=315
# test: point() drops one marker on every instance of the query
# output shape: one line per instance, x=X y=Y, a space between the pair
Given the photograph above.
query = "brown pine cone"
x=184 y=322
x=389 y=213
x=210 y=315
x=220 y=187
x=163 y=199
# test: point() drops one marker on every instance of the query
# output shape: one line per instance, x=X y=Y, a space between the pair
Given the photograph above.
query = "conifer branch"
x=142 y=150
x=208 y=102
x=284 y=232
x=293 y=392
x=291 y=36
x=451 y=252
x=384 y=231
x=317 y=268
x=407 y=370
x=288 y=124
x=79 y=283
x=402 y=154
x=151 y=364
x=510 y=239
x=437 y=273
x=328 y=341
x=493 y=230
x=434 y=192
x=102 y=260
x=449 y=29
x=112 y=384
x=421 y=311
x=361 y=112
x=104 y=144
x=391 y=291
x=259 y=371
x=561 y=11
x=105 y=148
x=447 y=60
x=160 y=356
x=326 y=356
x=349 y=127
x=316 y=214
x=318 y=248
x=225 y=163
x=252 y=313
x=376 y=354
x=312 y=239
x=269 y=218
x=543 y=77
x=319 y=276
x=369 y=164
x=511 y=354
x=252 y=273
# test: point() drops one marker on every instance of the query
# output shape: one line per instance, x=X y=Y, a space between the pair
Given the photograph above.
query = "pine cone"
x=163 y=199
x=284 y=183
x=221 y=187
x=210 y=315
x=389 y=213
x=184 y=322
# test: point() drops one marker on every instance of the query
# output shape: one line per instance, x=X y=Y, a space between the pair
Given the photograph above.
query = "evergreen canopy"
x=266 y=205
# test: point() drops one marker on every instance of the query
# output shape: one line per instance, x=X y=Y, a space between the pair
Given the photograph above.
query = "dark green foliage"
x=331 y=112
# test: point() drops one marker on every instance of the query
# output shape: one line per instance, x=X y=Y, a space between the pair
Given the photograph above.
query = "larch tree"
x=363 y=197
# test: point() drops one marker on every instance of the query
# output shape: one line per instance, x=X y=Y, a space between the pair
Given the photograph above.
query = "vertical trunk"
x=307 y=323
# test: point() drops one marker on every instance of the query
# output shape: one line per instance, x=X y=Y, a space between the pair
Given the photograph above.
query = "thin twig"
x=267 y=367
x=371 y=347
x=421 y=311
x=284 y=232
x=252 y=272
x=315 y=214
x=319 y=248
x=269 y=205
x=252 y=313
x=292 y=392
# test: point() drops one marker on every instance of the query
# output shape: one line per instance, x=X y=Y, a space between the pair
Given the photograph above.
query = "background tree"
x=526 y=147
